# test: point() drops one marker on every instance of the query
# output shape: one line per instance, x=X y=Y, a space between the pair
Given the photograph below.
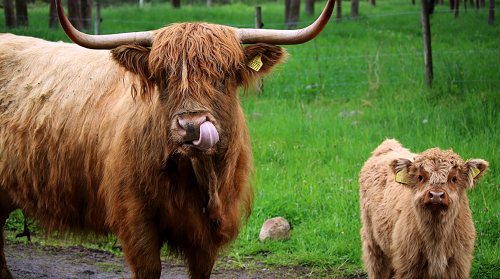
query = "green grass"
x=307 y=156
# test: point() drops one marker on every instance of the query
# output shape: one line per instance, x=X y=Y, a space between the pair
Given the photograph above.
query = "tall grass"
x=309 y=147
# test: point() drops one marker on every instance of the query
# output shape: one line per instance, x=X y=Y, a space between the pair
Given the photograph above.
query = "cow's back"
x=58 y=103
x=382 y=199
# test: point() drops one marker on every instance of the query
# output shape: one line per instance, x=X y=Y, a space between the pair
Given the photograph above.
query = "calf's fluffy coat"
x=415 y=212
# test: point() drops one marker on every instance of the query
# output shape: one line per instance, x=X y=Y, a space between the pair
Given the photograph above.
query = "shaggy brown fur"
x=80 y=153
x=420 y=227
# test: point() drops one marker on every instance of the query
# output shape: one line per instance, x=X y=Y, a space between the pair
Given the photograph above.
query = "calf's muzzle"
x=436 y=199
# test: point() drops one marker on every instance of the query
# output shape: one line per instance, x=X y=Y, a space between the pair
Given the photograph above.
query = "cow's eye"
x=420 y=178
x=454 y=179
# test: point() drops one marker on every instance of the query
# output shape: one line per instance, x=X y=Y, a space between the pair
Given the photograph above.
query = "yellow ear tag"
x=475 y=172
x=401 y=177
x=256 y=63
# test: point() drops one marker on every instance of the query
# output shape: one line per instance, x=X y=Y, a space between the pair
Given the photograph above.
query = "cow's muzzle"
x=197 y=131
x=436 y=199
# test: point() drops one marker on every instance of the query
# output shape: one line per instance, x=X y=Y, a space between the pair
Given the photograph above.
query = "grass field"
x=308 y=152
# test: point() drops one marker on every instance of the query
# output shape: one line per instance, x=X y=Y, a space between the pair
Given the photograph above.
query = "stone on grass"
x=275 y=229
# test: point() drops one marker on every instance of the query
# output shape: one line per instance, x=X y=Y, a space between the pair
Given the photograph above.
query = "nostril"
x=181 y=123
x=181 y=127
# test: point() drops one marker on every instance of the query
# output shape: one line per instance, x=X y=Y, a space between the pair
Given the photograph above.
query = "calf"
x=415 y=212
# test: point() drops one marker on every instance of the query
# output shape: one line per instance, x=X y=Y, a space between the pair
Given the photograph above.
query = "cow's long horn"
x=288 y=37
x=101 y=41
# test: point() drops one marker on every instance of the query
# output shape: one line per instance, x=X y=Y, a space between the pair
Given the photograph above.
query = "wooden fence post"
x=258 y=18
x=258 y=25
x=97 y=19
x=491 y=12
x=424 y=17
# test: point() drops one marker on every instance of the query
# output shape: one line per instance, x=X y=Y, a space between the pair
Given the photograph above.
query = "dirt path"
x=35 y=261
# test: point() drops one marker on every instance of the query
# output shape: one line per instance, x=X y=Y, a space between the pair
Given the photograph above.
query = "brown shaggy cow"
x=147 y=141
x=415 y=213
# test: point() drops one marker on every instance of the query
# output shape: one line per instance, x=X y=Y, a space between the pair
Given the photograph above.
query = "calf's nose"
x=437 y=196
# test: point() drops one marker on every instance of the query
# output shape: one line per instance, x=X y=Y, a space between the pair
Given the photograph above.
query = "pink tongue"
x=208 y=136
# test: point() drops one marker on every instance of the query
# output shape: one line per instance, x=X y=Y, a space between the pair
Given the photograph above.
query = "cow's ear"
x=401 y=168
x=474 y=169
x=261 y=58
x=134 y=58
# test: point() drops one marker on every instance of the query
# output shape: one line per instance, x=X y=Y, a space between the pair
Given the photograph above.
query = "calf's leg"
x=377 y=263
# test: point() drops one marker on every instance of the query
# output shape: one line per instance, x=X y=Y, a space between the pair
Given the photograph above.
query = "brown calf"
x=415 y=213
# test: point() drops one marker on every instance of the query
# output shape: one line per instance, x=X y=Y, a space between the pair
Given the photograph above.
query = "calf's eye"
x=420 y=178
x=454 y=179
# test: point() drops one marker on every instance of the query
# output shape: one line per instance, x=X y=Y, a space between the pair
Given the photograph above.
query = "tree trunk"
x=355 y=8
x=339 y=11
x=452 y=4
x=176 y=4
x=424 y=17
x=292 y=13
x=455 y=14
x=491 y=13
x=21 y=13
x=287 y=11
x=53 y=19
x=75 y=13
x=10 y=16
x=372 y=2
x=87 y=14
x=309 y=7
x=431 y=6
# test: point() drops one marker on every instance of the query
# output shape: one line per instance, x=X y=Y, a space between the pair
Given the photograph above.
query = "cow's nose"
x=190 y=126
x=437 y=196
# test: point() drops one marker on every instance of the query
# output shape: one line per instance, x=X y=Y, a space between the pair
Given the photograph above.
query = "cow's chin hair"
x=190 y=150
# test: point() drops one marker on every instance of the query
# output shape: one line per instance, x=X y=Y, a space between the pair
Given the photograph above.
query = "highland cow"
x=147 y=141
x=415 y=213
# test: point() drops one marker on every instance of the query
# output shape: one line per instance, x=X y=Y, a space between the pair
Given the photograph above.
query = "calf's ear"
x=474 y=169
x=401 y=168
x=261 y=58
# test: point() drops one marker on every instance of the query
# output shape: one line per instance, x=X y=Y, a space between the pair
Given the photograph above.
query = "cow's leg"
x=201 y=261
x=5 y=209
x=141 y=245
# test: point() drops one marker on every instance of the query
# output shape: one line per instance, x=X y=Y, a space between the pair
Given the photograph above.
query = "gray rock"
x=275 y=229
